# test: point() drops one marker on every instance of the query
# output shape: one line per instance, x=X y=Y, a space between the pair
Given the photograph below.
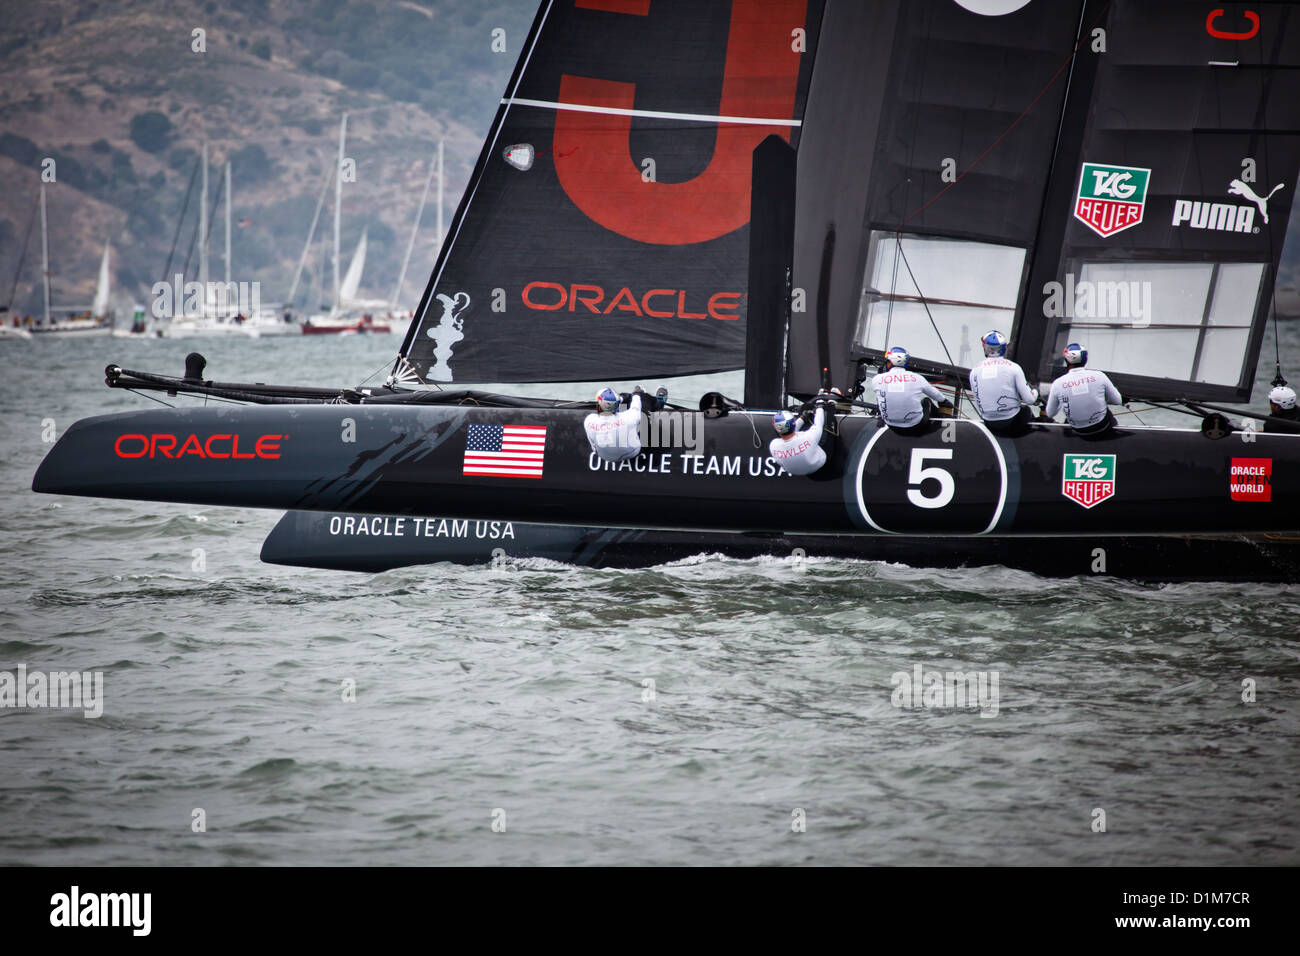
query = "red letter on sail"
x=605 y=181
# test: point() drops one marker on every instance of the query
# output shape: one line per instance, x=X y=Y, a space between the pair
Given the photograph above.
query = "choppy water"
x=524 y=690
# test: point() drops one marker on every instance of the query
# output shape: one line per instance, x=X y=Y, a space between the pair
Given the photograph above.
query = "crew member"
x=1002 y=396
x=615 y=435
x=798 y=450
x=1282 y=411
x=1084 y=394
x=904 y=398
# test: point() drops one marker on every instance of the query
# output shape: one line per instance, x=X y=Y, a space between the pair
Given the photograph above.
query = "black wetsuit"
x=1284 y=421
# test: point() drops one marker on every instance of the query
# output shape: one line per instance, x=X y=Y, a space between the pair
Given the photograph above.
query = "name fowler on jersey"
x=791 y=449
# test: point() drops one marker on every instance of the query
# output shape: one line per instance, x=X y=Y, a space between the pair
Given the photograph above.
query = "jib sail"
x=603 y=233
x=918 y=207
x=1170 y=198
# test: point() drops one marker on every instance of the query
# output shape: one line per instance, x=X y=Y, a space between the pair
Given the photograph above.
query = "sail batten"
x=652 y=114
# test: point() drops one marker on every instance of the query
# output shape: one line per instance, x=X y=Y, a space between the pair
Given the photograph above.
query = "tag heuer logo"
x=1111 y=198
x=1088 y=479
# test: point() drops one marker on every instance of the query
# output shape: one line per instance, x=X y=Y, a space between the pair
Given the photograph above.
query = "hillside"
x=118 y=98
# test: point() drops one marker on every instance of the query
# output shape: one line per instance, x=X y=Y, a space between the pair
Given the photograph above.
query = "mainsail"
x=612 y=195
x=352 y=279
x=947 y=149
x=100 y=306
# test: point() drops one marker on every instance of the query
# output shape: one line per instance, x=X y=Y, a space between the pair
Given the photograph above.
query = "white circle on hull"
x=1002 y=483
x=992 y=8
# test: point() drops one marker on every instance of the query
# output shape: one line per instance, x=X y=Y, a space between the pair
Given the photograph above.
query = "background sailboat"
x=220 y=313
x=93 y=320
x=351 y=314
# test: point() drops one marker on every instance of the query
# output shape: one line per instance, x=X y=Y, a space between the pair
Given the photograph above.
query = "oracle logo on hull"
x=214 y=446
x=656 y=303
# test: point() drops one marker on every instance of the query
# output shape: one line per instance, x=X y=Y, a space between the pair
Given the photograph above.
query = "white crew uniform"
x=801 y=454
x=899 y=393
x=617 y=436
x=999 y=387
x=1084 y=394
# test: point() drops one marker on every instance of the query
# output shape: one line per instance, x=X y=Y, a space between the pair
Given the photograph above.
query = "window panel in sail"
x=1181 y=321
x=968 y=288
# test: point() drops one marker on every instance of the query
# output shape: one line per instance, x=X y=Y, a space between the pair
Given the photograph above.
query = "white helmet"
x=1283 y=396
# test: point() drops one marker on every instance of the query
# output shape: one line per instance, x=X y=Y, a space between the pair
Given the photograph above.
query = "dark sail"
x=612 y=195
x=949 y=143
x=1170 y=198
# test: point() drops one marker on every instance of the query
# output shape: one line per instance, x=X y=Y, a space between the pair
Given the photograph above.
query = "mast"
x=203 y=230
x=415 y=226
x=45 y=256
x=227 y=224
x=302 y=260
x=338 y=204
x=442 y=179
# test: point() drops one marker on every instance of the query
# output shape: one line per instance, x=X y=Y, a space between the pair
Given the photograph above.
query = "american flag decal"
x=505 y=451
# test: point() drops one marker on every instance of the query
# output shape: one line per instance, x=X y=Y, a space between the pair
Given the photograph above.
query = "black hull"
x=378 y=543
x=956 y=480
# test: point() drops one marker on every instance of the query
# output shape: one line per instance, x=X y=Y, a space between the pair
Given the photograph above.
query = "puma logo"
x=1239 y=188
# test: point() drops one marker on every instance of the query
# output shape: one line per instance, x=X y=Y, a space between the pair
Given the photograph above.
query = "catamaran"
x=815 y=182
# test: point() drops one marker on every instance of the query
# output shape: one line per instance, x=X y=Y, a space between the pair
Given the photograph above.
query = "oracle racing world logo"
x=1088 y=479
x=1111 y=198
x=214 y=446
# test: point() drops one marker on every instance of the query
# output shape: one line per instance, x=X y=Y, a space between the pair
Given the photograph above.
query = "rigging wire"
x=1277 y=341
x=212 y=216
x=151 y=398
x=22 y=256
x=180 y=220
x=372 y=374
x=926 y=304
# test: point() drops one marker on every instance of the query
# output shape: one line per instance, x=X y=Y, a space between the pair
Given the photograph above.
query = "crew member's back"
x=1084 y=394
x=797 y=450
x=615 y=435
x=1001 y=393
x=905 y=399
